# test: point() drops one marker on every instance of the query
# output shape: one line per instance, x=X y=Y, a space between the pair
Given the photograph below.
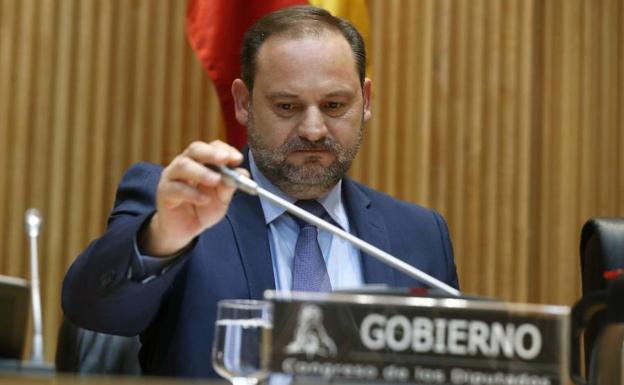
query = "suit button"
x=107 y=278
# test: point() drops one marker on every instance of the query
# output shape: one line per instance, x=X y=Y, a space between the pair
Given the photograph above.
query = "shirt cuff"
x=147 y=267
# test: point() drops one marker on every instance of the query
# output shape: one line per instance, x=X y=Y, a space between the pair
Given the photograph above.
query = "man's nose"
x=313 y=126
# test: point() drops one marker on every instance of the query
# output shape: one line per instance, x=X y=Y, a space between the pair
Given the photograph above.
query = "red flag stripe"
x=215 y=29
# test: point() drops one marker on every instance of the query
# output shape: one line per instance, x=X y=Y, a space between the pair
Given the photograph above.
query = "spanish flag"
x=215 y=29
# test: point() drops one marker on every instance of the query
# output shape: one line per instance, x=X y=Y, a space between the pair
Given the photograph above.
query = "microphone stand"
x=234 y=179
x=33 y=223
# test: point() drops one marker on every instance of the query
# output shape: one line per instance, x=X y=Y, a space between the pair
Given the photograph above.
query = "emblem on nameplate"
x=310 y=337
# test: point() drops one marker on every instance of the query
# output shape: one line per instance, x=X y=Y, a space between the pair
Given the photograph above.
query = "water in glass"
x=242 y=332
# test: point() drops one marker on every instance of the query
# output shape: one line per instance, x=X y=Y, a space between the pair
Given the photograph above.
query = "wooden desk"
x=16 y=379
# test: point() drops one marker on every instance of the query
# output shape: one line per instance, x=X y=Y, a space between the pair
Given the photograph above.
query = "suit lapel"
x=368 y=225
x=245 y=215
x=252 y=239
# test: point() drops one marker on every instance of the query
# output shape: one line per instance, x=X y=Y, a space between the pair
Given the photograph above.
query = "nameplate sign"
x=418 y=340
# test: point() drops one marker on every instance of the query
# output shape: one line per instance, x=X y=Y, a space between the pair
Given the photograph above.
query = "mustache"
x=302 y=144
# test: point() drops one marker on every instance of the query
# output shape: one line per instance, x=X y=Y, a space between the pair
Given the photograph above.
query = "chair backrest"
x=88 y=352
x=601 y=250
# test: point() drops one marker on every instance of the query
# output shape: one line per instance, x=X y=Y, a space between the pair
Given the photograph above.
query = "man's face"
x=306 y=112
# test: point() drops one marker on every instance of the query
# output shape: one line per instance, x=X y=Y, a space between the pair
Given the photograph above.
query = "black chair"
x=602 y=250
x=88 y=352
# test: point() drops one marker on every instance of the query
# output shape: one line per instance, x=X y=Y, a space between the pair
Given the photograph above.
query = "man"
x=178 y=240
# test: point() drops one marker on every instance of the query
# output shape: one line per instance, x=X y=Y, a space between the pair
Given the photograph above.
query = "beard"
x=310 y=179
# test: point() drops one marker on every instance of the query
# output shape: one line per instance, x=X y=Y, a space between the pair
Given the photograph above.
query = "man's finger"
x=225 y=194
x=185 y=169
x=243 y=171
x=215 y=152
x=176 y=192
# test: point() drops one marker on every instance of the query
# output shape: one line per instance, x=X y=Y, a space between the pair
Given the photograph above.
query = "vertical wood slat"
x=608 y=111
x=569 y=134
x=487 y=283
x=158 y=55
x=407 y=151
x=7 y=42
x=521 y=222
x=60 y=125
x=507 y=143
x=440 y=116
x=505 y=116
x=82 y=120
x=424 y=78
x=8 y=38
x=140 y=83
x=458 y=68
x=98 y=154
x=172 y=130
x=470 y=261
x=388 y=149
x=19 y=137
x=620 y=119
x=370 y=154
x=121 y=62
x=544 y=144
x=552 y=127
x=588 y=148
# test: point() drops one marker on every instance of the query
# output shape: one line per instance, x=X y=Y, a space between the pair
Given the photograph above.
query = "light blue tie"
x=309 y=270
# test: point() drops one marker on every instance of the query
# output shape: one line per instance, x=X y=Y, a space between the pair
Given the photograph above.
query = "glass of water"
x=240 y=351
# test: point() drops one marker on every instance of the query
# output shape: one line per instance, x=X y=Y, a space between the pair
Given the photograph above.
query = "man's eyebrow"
x=288 y=95
x=281 y=95
x=343 y=94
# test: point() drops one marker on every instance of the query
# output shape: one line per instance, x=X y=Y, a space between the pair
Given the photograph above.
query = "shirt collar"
x=331 y=201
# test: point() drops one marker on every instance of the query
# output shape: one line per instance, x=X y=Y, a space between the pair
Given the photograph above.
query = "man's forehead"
x=298 y=54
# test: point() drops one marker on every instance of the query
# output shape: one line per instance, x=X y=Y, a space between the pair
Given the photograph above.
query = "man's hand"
x=190 y=198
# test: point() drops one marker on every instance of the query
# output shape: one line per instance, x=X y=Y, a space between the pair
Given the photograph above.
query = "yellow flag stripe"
x=356 y=11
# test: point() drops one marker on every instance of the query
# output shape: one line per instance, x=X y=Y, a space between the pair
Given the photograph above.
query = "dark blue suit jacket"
x=175 y=312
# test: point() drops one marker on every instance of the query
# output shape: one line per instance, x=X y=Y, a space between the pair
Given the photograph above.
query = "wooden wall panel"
x=505 y=116
x=520 y=151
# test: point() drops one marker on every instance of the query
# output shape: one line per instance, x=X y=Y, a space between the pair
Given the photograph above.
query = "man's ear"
x=367 y=90
x=242 y=101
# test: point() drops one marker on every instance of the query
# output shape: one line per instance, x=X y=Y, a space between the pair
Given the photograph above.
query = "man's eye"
x=285 y=106
x=333 y=105
x=334 y=108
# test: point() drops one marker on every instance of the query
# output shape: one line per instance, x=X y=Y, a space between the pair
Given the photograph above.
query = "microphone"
x=241 y=182
x=33 y=224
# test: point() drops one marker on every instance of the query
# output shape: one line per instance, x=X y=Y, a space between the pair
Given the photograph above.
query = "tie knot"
x=311 y=206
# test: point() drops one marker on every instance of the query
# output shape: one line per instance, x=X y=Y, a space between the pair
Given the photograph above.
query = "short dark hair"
x=296 y=22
